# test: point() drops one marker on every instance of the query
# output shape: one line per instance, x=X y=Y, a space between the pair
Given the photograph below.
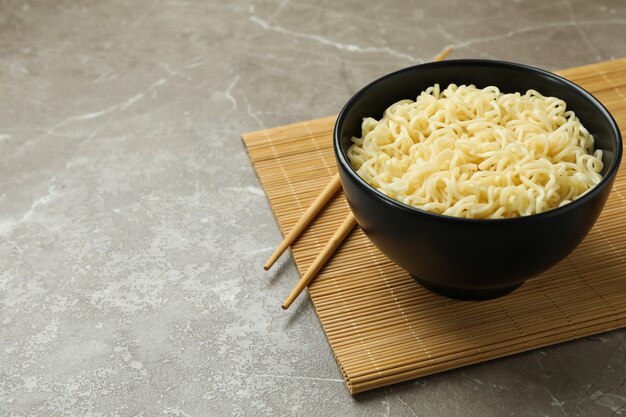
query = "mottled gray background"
x=133 y=227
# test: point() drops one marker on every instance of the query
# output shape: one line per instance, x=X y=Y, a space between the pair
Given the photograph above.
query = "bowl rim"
x=608 y=177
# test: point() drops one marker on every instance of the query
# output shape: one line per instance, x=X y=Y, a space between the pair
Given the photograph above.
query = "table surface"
x=133 y=227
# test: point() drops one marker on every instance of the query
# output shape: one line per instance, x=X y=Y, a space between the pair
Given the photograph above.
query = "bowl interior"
x=373 y=99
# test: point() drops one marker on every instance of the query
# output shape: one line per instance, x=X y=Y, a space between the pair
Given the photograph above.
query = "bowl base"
x=467 y=294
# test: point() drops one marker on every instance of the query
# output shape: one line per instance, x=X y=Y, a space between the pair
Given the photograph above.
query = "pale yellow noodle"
x=478 y=153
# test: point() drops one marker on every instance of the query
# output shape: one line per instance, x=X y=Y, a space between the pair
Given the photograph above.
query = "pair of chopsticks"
x=338 y=237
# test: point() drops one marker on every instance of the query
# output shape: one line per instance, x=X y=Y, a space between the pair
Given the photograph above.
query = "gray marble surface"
x=133 y=227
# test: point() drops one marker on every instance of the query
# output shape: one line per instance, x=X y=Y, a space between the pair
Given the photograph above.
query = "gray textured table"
x=133 y=228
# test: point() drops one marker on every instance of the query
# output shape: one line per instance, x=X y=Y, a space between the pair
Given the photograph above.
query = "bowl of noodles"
x=475 y=175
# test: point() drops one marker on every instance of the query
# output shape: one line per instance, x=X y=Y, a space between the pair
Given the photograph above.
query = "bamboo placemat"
x=385 y=328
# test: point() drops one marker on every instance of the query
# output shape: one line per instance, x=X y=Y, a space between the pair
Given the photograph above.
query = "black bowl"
x=473 y=258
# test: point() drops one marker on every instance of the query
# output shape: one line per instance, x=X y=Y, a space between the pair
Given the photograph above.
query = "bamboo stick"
x=443 y=54
x=345 y=228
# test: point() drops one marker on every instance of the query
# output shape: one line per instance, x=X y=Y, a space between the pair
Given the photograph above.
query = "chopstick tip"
x=443 y=54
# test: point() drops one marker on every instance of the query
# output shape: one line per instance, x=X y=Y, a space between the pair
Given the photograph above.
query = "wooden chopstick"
x=321 y=200
x=348 y=224
x=443 y=54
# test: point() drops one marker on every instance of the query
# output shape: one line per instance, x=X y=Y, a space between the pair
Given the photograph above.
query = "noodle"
x=478 y=153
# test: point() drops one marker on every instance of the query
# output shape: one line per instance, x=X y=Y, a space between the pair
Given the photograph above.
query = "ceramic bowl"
x=473 y=258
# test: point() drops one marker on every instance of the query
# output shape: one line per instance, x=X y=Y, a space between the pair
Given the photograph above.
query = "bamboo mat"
x=385 y=328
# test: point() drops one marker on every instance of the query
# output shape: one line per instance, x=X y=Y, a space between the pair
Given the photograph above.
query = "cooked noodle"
x=478 y=153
